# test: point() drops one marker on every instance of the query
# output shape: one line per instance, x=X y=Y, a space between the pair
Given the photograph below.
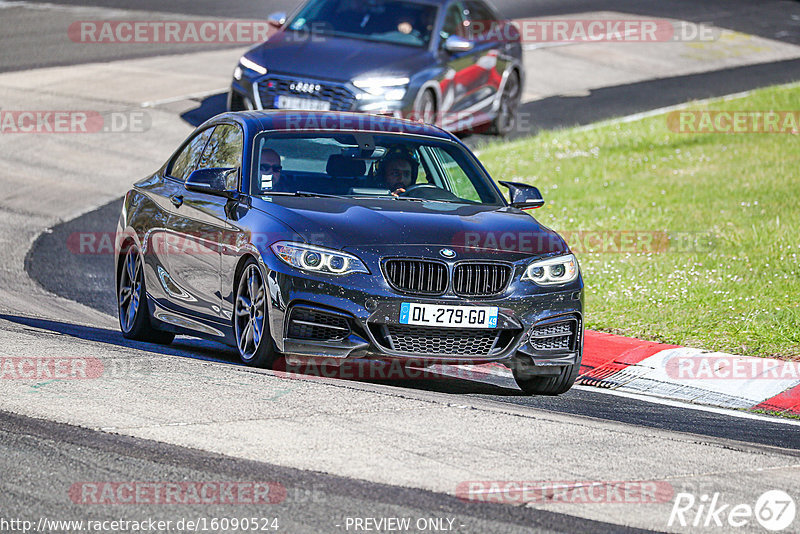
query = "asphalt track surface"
x=39 y=458
x=314 y=502
x=51 y=262
x=35 y=40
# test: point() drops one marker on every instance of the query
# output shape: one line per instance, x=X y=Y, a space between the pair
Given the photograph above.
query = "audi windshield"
x=390 y=21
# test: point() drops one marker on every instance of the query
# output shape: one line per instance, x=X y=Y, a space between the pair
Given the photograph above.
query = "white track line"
x=191 y=96
x=676 y=107
x=697 y=407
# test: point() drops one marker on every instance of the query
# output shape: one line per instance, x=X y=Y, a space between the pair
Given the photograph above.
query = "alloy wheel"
x=130 y=289
x=250 y=314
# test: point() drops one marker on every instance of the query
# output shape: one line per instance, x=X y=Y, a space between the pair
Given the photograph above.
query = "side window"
x=482 y=22
x=455 y=179
x=224 y=150
x=453 y=22
x=184 y=163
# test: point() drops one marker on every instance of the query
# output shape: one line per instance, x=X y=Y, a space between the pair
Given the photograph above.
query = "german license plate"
x=305 y=104
x=448 y=316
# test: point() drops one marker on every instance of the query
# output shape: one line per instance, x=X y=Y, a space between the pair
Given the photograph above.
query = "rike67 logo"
x=774 y=510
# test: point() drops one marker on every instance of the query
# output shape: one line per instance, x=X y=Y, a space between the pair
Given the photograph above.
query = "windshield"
x=389 y=21
x=366 y=165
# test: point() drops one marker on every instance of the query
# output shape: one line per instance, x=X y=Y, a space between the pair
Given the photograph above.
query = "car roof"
x=313 y=121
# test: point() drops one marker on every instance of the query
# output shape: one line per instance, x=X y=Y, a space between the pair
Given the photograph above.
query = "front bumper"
x=252 y=93
x=357 y=316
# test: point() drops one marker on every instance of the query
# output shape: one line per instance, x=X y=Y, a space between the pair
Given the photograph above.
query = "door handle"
x=177 y=200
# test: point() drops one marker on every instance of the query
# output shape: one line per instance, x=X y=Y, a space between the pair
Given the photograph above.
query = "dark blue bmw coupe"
x=347 y=236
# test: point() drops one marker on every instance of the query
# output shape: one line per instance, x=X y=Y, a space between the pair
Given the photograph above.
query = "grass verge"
x=686 y=238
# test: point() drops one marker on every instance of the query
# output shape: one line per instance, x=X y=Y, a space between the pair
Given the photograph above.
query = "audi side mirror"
x=455 y=44
x=277 y=19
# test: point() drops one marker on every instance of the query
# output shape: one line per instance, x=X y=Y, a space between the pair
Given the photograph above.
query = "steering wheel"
x=416 y=187
x=429 y=192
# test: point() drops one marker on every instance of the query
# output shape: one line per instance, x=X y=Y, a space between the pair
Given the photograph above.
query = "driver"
x=270 y=170
x=398 y=171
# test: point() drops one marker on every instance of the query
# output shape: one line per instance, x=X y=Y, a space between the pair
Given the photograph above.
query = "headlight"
x=552 y=271
x=388 y=88
x=252 y=65
x=318 y=259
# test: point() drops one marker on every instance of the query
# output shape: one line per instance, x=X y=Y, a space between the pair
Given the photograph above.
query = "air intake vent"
x=556 y=336
x=480 y=279
x=447 y=341
x=422 y=277
x=309 y=323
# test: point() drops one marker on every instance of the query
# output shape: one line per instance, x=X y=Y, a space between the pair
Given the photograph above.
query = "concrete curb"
x=673 y=372
x=691 y=375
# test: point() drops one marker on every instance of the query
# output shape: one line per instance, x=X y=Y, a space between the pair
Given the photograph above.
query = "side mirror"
x=524 y=196
x=277 y=19
x=455 y=44
x=214 y=181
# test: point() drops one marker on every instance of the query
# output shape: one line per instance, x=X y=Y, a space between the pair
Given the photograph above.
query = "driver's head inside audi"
x=379 y=239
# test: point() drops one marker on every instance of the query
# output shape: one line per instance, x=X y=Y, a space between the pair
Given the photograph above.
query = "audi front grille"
x=340 y=98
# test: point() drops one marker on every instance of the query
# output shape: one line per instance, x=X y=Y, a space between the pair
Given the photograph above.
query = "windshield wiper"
x=300 y=194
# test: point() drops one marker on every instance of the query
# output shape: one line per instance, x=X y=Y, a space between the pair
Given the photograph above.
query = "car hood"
x=337 y=58
x=389 y=224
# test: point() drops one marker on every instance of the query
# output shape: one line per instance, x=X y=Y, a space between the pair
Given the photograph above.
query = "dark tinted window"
x=184 y=163
x=479 y=12
x=483 y=23
x=224 y=150
x=453 y=22
x=392 y=21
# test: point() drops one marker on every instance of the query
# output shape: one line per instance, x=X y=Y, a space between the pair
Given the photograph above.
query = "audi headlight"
x=318 y=259
x=388 y=88
x=252 y=65
x=552 y=271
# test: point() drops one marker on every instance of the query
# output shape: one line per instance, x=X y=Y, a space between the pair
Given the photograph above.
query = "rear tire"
x=134 y=316
x=547 y=385
x=250 y=319
x=506 y=119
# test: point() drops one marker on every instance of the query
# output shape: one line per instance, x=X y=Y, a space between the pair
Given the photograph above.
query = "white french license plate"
x=448 y=316
x=305 y=104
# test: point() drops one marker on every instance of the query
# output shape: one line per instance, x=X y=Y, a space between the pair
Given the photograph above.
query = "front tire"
x=547 y=385
x=134 y=317
x=250 y=319
x=426 y=108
